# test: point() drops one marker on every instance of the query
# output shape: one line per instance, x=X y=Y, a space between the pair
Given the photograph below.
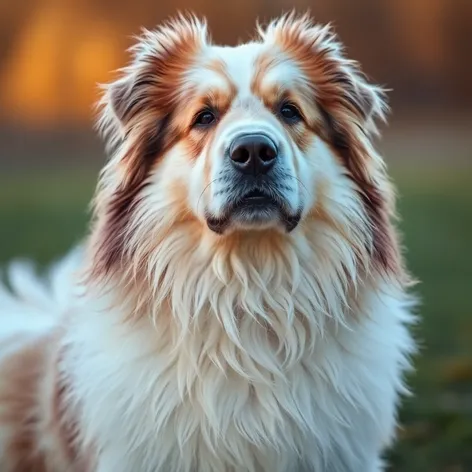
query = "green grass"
x=436 y=214
x=42 y=217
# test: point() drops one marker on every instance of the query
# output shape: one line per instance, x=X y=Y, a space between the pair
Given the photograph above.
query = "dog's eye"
x=204 y=118
x=290 y=113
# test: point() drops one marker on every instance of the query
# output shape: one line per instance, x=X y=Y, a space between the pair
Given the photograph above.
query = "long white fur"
x=168 y=376
x=150 y=404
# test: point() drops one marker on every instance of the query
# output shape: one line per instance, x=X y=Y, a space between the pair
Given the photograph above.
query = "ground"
x=41 y=217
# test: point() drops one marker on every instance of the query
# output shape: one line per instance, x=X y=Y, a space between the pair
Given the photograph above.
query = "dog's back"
x=31 y=313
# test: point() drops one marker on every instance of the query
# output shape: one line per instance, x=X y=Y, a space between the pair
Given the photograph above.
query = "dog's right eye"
x=204 y=118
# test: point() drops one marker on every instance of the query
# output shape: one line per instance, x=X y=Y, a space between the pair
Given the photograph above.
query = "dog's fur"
x=189 y=337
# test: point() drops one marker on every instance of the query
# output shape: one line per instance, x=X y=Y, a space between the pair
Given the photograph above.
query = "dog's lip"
x=256 y=193
x=255 y=197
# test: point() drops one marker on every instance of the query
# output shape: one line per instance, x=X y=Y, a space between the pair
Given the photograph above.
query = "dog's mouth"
x=255 y=198
x=255 y=209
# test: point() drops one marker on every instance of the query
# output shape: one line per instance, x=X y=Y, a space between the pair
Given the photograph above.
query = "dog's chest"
x=227 y=412
x=215 y=420
x=180 y=411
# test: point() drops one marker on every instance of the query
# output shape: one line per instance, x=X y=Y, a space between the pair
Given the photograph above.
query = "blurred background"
x=53 y=53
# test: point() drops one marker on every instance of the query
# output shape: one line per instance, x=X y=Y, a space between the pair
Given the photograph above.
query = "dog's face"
x=267 y=137
x=254 y=133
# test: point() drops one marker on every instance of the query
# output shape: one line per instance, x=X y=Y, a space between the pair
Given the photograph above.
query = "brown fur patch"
x=262 y=66
x=21 y=373
x=219 y=66
x=34 y=417
x=214 y=99
x=144 y=102
x=348 y=105
x=111 y=231
x=385 y=250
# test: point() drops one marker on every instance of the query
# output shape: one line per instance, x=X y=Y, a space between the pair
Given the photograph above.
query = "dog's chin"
x=254 y=211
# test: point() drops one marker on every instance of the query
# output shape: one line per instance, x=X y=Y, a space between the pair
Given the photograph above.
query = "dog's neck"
x=225 y=298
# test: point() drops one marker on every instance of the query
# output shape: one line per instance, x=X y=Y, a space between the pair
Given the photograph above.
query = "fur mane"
x=251 y=288
x=255 y=349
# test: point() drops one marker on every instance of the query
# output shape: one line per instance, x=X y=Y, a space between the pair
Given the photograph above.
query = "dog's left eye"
x=290 y=113
x=204 y=118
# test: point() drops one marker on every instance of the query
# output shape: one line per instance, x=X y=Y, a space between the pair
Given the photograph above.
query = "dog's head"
x=270 y=140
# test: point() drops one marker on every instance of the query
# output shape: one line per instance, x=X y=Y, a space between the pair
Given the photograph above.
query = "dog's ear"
x=338 y=85
x=367 y=100
x=136 y=120
x=117 y=98
x=350 y=108
x=120 y=96
x=150 y=84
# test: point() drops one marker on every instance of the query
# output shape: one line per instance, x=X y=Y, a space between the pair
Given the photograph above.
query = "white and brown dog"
x=240 y=304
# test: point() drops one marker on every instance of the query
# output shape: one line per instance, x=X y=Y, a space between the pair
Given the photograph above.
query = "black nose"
x=253 y=153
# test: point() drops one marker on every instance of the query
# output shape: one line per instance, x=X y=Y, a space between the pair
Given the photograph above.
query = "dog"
x=241 y=303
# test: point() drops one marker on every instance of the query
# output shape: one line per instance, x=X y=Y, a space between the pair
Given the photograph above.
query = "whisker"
x=298 y=180
x=204 y=190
